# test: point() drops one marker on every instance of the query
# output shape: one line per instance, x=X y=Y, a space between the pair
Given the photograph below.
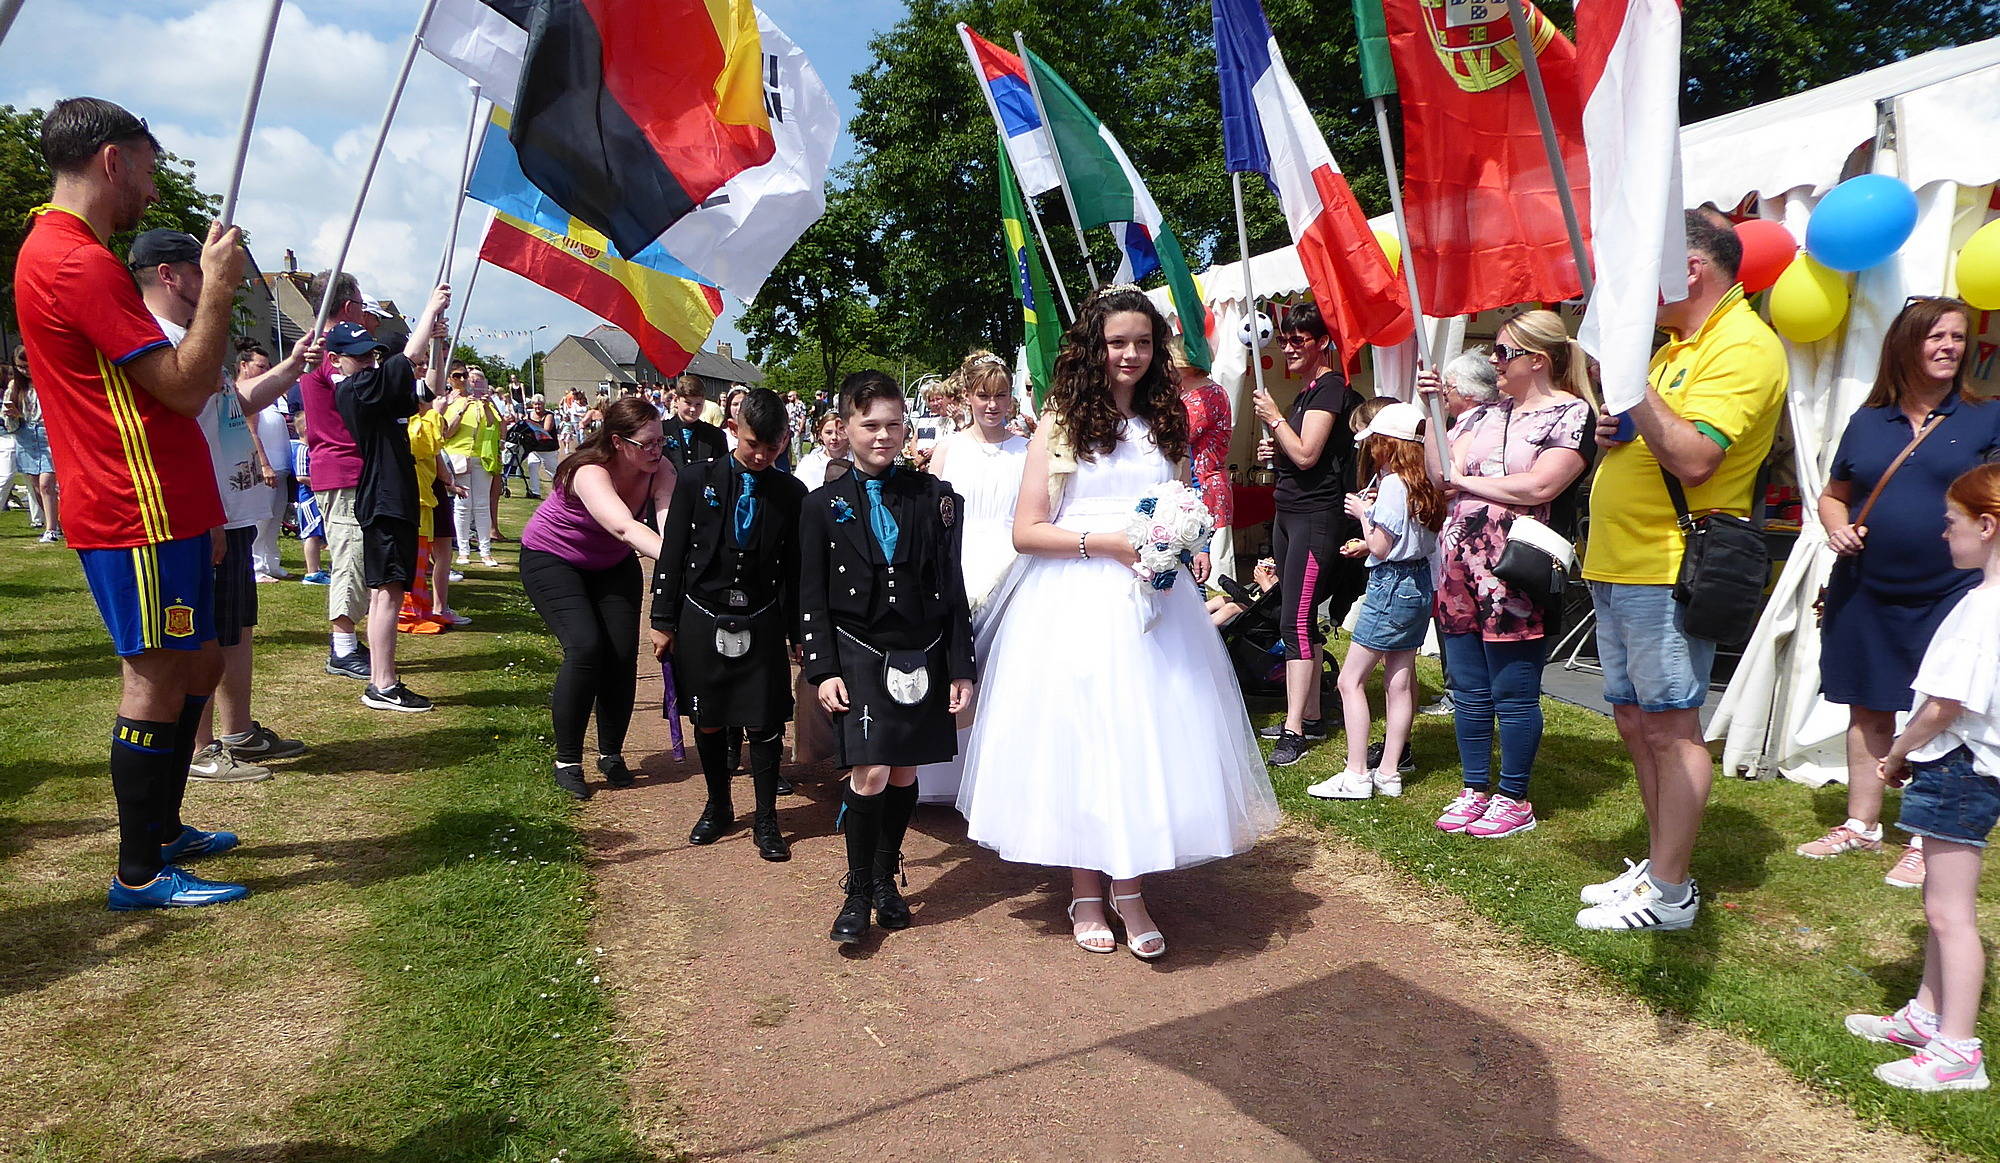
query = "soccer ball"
x=1263 y=336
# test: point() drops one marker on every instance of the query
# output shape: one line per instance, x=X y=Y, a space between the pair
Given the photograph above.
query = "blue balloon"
x=1861 y=222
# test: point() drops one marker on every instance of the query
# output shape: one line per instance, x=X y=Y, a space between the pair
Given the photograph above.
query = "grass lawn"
x=411 y=978
x=1784 y=946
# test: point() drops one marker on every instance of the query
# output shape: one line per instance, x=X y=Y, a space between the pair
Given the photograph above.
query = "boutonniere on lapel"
x=673 y=442
x=708 y=494
x=948 y=510
x=842 y=511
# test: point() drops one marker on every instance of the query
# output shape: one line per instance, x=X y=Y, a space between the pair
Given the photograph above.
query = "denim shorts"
x=1396 y=610
x=1949 y=799
x=1649 y=661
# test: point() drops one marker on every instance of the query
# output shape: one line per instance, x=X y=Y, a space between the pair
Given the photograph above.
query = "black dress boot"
x=864 y=826
x=719 y=816
x=891 y=910
x=764 y=754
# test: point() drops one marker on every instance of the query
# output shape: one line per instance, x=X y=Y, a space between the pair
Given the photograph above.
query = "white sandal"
x=1134 y=940
x=1101 y=933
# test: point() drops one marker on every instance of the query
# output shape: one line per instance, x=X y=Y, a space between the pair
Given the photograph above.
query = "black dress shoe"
x=569 y=777
x=615 y=771
x=891 y=910
x=851 y=926
x=784 y=786
x=716 y=819
x=770 y=841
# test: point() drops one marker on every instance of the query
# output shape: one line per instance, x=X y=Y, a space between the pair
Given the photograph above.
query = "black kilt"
x=752 y=690
x=875 y=728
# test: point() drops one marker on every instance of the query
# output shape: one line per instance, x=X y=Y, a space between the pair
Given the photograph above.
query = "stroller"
x=1256 y=650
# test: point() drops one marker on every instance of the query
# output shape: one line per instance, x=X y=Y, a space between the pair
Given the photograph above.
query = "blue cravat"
x=746 y=509
x=881 y=520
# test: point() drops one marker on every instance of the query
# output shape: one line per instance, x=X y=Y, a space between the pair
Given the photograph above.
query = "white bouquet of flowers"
x=1169 y=526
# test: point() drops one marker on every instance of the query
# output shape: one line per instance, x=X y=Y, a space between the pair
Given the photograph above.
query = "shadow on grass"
x=20 y=778
x=472 y=1135
x=50 y=940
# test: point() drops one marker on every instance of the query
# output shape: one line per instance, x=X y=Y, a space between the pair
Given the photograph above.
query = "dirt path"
x=1313 y=1006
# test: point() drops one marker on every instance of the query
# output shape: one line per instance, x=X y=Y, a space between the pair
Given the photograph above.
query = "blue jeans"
x=1496 y=681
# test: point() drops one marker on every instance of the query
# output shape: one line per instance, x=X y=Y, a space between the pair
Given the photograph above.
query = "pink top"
x=1208 y=447
x=562 y=525
x=336 y=464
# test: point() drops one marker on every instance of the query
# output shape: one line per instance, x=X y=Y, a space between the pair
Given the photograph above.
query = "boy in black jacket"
x=887 y=638
x=725 y=605
x=690 y=439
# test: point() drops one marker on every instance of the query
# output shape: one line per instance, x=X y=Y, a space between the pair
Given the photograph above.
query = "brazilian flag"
x=1042 y=327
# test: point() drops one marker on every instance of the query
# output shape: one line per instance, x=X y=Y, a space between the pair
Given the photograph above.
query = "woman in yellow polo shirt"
x=470 y=423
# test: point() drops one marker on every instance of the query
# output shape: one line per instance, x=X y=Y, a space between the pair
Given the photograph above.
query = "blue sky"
x=185 y=66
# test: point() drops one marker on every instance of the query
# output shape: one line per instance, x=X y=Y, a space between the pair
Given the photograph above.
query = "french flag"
x=1267 y=129
x=1004 y=81
x=1629 y=70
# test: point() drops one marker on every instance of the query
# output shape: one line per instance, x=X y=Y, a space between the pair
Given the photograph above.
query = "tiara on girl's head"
x=987 y=357
x=1115 y=288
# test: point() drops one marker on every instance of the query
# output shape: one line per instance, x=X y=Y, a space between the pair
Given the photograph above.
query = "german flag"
x=629 y=113
x=669 y=316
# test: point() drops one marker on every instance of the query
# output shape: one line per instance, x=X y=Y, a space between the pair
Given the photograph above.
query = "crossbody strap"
x=1929 y=425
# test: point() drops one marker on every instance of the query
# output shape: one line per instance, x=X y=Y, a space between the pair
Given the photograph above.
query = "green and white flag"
x=1041 y=329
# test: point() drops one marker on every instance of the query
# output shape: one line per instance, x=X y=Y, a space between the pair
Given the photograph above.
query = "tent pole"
x=1532 y=67
x=1055 y=151
x=1440 y=424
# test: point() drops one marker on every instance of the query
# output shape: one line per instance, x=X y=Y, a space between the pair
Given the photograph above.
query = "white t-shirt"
x=1962 y=664
x=1391 y=511
x=229 y=448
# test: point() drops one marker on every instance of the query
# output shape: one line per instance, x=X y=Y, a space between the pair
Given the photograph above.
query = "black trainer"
x=1314 y=729
x=1290 y=749
x=353 y=665
x=851 y=926
x=396 y=698
x=1404 y=765
x=569 y=777
x=613 y=768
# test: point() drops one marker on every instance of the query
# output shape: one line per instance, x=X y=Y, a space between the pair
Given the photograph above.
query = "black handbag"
x=1535 y=563
x=1724 y=571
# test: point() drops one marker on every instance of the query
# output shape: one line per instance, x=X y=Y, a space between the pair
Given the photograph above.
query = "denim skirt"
x=1396 y=609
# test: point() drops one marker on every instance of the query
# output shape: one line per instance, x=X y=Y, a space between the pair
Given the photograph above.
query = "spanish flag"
x=669 y=316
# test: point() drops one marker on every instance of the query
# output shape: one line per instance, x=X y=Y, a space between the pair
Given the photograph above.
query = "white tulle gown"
x=1110 y=732
x=988 y=476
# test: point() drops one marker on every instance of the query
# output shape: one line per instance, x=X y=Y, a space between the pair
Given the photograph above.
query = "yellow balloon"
x=1808 y=301
x=1979 y=268
x=1393 y=248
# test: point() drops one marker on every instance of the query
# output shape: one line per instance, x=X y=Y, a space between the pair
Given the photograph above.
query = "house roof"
x=615 y=342
x=595 y=350
x=710 y=366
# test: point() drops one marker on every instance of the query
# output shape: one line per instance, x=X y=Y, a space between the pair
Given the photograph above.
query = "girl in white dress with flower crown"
x=982 y=463
x=1110 y=737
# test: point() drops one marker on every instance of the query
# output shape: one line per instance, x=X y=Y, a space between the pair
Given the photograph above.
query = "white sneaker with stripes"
x=1641 y=908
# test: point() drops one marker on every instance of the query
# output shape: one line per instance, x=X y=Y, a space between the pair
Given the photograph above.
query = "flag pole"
x=249 y=109
x=1034 y=215
x=374 y=157
x=1048 y=252
x=1249 y=295
x=1531 y=66
x=1439 y=422
x=464 y=307
x=9 y=9
x=1062 y=177
x=473 y=144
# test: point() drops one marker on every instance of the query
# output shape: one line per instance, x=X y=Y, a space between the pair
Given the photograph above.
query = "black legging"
x=594 y=613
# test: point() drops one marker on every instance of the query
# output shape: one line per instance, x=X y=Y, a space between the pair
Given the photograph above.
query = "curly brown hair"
x=1080 y=397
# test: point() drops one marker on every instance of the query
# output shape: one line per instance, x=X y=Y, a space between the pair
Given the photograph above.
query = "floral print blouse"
x=1499 y=442
x=1208 y=447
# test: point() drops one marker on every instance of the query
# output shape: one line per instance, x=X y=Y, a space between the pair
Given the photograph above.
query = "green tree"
x=820 y=296
x=25 y=184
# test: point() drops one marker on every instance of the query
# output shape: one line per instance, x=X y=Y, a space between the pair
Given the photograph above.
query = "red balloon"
x=1768 y=248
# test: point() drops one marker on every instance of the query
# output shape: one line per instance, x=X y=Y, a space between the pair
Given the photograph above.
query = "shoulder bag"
x=1724 y=570
x=1536 y=560
x=1929 y=425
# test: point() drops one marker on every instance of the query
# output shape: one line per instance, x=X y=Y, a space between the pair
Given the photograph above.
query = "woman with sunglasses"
x=1893 y=581
x=1312 y=448
x=578 y=567
x=1512 y=460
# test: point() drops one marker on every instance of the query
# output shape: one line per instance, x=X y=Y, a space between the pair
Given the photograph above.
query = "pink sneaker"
x=1503 y=817
x=1469 y=806
x=1908 y=872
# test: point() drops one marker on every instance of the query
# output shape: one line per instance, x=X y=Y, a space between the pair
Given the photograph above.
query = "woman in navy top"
x=1894 y=580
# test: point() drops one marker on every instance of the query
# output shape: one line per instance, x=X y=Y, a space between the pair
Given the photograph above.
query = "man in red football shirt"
x=139 y=499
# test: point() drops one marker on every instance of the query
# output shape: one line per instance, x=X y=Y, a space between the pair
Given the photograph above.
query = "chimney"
x=291 y=262
x=725 y=351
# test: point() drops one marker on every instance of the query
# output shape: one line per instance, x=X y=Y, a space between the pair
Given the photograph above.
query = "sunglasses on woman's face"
x=1504 y=354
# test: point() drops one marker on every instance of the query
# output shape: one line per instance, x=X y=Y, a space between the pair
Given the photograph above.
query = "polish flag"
x=1267 y=129
x=1629 y=72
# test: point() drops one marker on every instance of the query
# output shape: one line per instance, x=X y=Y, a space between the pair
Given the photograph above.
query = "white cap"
x=1399 y=420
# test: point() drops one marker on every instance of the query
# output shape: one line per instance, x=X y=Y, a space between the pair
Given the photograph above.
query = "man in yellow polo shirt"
x=1713 y=402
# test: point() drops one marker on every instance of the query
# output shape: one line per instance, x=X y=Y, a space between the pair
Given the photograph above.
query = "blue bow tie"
x=881 y=520
x=746 y=509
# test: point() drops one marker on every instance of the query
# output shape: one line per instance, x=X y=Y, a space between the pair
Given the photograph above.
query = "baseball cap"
x=1399 y=420
x=159 y=246
x=352 y=339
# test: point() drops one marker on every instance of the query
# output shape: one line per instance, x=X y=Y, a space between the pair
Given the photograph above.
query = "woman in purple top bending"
x=578 y=567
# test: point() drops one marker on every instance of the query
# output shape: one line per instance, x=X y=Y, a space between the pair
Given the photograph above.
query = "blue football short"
x=155 y=597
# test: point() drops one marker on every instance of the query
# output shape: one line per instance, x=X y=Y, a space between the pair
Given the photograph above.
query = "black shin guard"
x=863 y=830
x=142 y=755
x=764 y=756
x=713 y=748
x=898 y=803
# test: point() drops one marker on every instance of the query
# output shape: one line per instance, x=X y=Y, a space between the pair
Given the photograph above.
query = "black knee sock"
x=897 y=805
x=764 y=756
x=864 y=826
x=713 y=747
x=171 y=791
x=141 y=754
x=735 y=736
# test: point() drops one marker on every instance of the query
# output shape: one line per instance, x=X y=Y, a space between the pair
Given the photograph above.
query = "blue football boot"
x=193 y=842
x=174 y=888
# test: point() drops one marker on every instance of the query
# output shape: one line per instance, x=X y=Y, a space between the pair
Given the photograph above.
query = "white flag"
x=477 y=40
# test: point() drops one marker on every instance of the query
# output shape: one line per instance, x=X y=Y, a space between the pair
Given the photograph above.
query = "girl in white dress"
x=1111 y=737
x=982 y=463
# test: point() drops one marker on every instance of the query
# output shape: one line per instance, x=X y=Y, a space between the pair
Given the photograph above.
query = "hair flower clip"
x=842 y=511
